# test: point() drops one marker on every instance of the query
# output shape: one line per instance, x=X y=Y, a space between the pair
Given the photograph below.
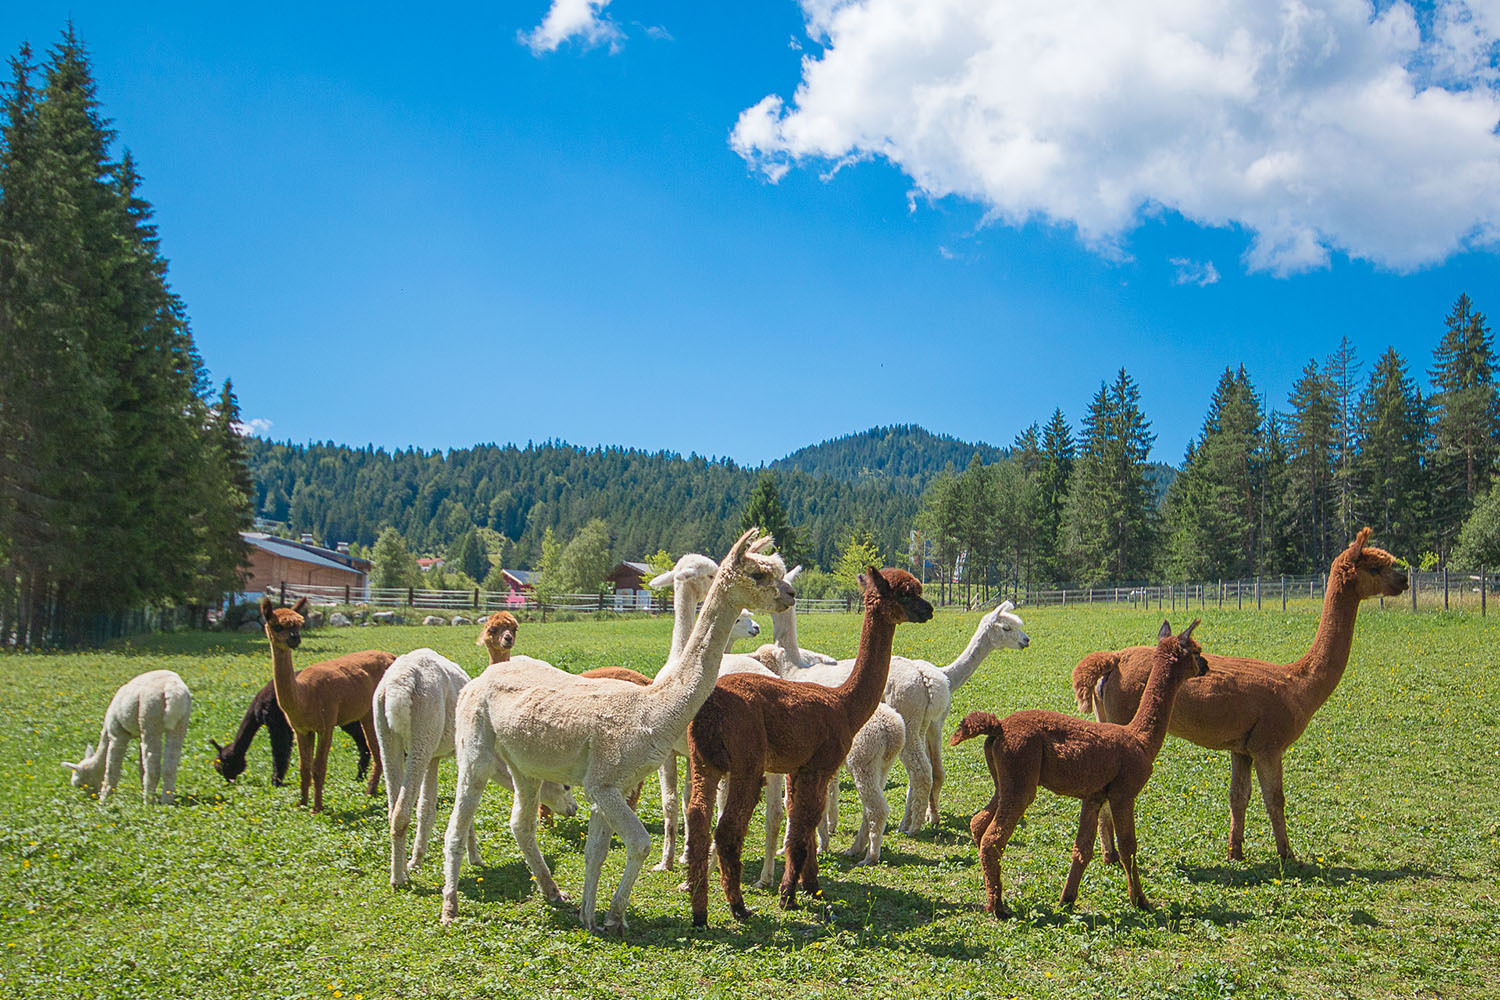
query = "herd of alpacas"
x=785 y=719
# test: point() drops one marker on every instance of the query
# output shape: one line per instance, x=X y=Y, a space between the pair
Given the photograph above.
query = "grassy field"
x=236 y=892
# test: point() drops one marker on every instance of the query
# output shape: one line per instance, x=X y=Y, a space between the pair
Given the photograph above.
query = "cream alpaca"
x=605 y=735
x=153 y=708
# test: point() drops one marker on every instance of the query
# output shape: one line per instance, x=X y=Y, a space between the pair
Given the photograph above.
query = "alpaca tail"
x=1090 y=671
x=975 y=724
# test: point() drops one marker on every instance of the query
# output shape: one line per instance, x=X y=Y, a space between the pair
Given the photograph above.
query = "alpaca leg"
x=114 y=759
x=281 y=751
x=775 y=789
x=151 y=765
x=807 y=794
x=595 y=851
x=426 y=815
x=734 y=823
x=935 y=758
x=320 y=766
x=367 y=726
x=1268 y=771
x=705 y=786
x=992 y=841
x=171 y=757
x=870 y=783
x=918 y=780
x=1124 y=810
x=473 y=774
x=1107 y=836
x=829 y=824
x=983 y=818
x=610 y=801
x=1239 y=798
x=666 y=777
x=1083 y=848
x=305 y=762
x=523 y=828
x=398 y=801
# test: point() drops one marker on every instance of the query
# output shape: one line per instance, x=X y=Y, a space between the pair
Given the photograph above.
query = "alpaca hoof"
x=1235 y=854
x=560 y=898
x=700 y=919
x=997 y=910
x=766 y=883
x=867 y=862
x=790 y=903
x=1110 y=859
x=1142 y=904
x=450 y=908
x=740 y=911
x=662 y=866
x=683 y=887
x=614 y=925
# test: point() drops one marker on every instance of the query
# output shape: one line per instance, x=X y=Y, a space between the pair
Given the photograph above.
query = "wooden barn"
x=274 y=561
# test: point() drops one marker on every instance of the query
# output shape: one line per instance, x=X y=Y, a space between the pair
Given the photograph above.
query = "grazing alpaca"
x=414 y=708
x=751 y=724
x=152 y=707
x=1253 y=709
x=923 y=693
x=606 y=735
x=317 y=698
x=263 y=711
x=1098 y=762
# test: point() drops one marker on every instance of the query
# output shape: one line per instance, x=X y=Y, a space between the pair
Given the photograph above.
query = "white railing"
x=485 y=602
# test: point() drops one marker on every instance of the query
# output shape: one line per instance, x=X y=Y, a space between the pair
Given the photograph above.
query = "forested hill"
x=904 y=456
x=649 y=500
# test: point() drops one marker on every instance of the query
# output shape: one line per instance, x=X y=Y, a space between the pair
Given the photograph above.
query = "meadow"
x=235 y=891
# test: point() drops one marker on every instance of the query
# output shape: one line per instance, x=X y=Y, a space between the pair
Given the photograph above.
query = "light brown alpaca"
x=498 y=636
x=1253 y=709
x=753 y=723
x=321 y=697
x=1098 y=762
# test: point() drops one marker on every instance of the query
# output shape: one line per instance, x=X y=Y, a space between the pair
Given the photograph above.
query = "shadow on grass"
x=1236 y=875
x=1165 y=916
x=509 y=882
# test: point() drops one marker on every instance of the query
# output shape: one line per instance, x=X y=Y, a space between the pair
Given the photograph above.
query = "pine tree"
x=468 y=555
x=1342 y=374
x=766 y=512
x=395 y=566
x=224 y=503
x=1391 y=490
x=1109 y=524
x=1310 y=449
x=1053 y=476
x=1466 y=418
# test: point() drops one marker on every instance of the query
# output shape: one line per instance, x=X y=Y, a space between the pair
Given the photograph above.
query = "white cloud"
x=1319 y=126
x=1190 y=272
x=584 y=20
x=255 y=425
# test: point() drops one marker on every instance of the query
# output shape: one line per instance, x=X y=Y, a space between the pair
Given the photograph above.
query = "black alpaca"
x=264 y=711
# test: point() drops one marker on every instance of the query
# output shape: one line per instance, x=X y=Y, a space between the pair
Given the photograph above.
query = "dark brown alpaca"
x=752 y=724
x=1098 y=762
x=322 y=696
x=1253 y=709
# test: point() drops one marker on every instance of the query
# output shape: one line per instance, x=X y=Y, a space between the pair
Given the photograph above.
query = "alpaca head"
x=1181 y=651
x=744 y=627
x=1002 y=628
x=689 y=578
x=283 y=625
x=894 y=595
x=88 y=773
x=754 y=578
x=1371 y=570
x=227 y=763
x=499 y=634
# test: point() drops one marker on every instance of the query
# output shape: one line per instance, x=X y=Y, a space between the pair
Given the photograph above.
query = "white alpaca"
x=782 y=655
x=152 y=707
x=414 y=708
x=923 y=693
x=603 y=734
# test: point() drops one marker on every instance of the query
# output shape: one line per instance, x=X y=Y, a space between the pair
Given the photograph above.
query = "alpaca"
x=923 y=694
x=603 y=734
x=1098 y=762
x=414 y=707
x=751 y=724
x=319 y=697
x=1254 y=709
x=152 y=707
x=264 y=711
x=690 y=579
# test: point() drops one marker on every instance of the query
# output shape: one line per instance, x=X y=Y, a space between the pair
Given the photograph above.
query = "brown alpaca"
x=1098 y=762
x=753 y=723
x=321 y=697
x=1253 y=709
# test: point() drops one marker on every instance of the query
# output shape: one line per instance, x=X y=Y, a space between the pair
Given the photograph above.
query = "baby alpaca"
x=153 y=708
x=264 y=711
x=1098 y=762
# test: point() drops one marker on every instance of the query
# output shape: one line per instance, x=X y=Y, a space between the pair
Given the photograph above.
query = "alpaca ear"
x=793 y=573
x=1358 y=545
x=882 y=586
x=1188 y=634
x=1007 y=606
x=665 y=580
x=740 y=547
x=301 y=606
x=72 y=767
x=1166 y=630
x=762 y=544
x=266 y=607
x=215 y=744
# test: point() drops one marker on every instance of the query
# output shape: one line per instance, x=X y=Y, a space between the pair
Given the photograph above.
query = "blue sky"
x=668 y=231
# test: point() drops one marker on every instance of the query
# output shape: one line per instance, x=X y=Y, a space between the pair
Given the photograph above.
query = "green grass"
x=235 y=891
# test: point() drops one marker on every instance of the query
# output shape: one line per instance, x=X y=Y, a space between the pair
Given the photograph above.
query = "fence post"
x=476 y=598
x=411 y=597
x=1445 y=588
x=1239 y=595
x=1416 y=581
x=1283 y=592
x=1257 y=592
x=1484 y=581
x=283 y=593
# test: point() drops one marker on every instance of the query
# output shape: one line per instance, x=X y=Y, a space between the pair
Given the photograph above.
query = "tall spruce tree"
x=1109 y=525
x=1466 y=417
x=766 y=512
x=1391 y=490
x=1053 y=477
x=1342 y=373
x=1310 y=451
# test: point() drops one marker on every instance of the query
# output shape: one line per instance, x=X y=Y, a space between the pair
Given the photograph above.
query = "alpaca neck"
x=861 y=692
x=249 y=726
x=498 y=655
x=961 y=669
x=1155 y=709
x=684 y=684
x=784 y=633
x=285 y=680
x=1322 y=667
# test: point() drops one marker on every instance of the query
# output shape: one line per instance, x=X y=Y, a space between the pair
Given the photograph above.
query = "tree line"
x=123 y=480
x=1260 y=490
